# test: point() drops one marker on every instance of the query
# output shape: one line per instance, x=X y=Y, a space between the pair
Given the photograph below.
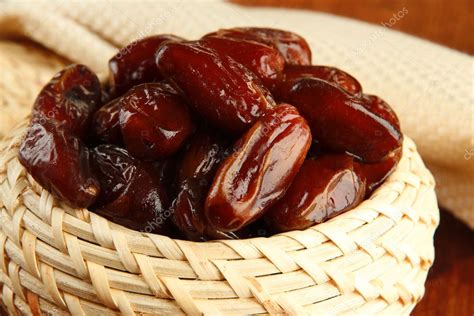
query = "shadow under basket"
x=372 y=259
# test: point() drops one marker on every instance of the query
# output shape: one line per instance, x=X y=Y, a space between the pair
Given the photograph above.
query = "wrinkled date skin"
x=219 y=89
x=333 y=75
x=323 y=188
x=196 y=170
x=106 y=125
x=264 y=61
x=294 y=48
x=135 y=63
x=377 y=173
x=264 y=163
x=154 y=121
x=131 y=195
x=345 y=124
x=59 y=162
x=70 y=97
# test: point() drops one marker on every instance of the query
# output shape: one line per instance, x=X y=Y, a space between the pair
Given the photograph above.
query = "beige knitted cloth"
x=430 y=87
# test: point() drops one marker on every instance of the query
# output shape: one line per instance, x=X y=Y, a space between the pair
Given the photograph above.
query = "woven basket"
x=56 y=260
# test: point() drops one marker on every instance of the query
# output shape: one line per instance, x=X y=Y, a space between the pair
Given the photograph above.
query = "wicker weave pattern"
x=58 y=260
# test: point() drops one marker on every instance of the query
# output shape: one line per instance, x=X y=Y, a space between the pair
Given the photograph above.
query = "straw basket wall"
x=372 y=259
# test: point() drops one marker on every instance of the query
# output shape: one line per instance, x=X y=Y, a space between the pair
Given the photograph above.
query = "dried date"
x=219 y=89
x=154 y=121
x=323 y=188
x=59 y=162
x=293 y=47
x=71 y=97
x=346 y=124
x=131 y=195
x=264 y=163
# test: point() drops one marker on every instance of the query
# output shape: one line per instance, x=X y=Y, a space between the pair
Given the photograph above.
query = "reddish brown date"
x=264 y=163
x=154 y=121
x=293 y=47
x=71 y=97
x=333 y=75
x=59 y=162
x=323 y=188
x=135 y=63
x=264 y=61
x=196 y=170
x=131 y=195
x=377 y=173
x=106 y=123
x=217 y=87
x=345 y=124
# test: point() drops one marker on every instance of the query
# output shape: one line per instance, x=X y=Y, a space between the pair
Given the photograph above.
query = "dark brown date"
x=343 y=123
x=217 y=87
x=323 y=188
x=333 y=75
x=106 y=123
x=71 y=97
x=293 y=47
x=131 y=195
x=135 y=63
x=59 y=162
x=197 y=168
x=264 y=163
x=154 y=121
x=263 y=60
x=377 y=173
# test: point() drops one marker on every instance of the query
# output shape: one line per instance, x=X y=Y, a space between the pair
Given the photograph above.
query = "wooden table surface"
x=450 y=284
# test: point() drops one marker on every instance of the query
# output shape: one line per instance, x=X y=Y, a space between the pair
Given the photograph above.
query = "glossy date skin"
x=154 y=121
x=135 y=63
x=345 y=124
x=377 y=173
x=264 y=61
x=71 y=97
x=323 y=188
x=294 y=48
x=333 y=75
x=264 y=163
x=106 y=125
x=218 y=88
x=60 y=163
x=131 y=195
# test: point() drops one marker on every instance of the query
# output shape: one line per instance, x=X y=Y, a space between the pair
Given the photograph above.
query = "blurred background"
x=450 y=285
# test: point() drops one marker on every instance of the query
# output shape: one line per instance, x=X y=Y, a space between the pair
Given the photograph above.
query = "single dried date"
x=323 y=188
x=71 y=97
x=135 y=63
x=131 y=195
x=264 y=61
x=333 y=75
x=346 y=124
x=264 y=163
x=221 y=90
x=59 y=162
x=106 y=125
x=197 y=168
x=154 y=121
x=293 y=47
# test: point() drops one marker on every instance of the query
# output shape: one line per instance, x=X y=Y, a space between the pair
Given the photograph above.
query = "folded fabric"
x=429 y=86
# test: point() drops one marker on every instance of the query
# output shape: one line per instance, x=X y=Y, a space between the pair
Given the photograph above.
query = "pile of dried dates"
x=235 y=135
